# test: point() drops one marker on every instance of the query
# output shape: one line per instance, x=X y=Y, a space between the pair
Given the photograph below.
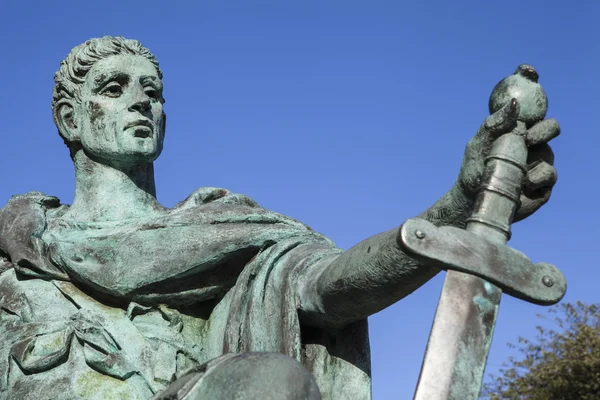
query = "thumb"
x=478 y=148
x=502 y=121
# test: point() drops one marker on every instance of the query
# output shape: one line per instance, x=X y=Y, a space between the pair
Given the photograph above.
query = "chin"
x=142 y=158
x=143 y=154
x=130 y=159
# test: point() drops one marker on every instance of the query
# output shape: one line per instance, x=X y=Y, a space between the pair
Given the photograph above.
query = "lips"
x=143 y=128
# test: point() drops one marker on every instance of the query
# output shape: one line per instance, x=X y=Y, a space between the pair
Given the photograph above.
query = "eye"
x=152 y=93
x=113 y=89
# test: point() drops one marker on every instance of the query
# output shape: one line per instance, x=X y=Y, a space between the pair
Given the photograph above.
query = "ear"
x=64 y=117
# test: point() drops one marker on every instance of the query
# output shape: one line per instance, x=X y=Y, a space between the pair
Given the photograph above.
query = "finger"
x=542 y=132
x=497 y=124
x=539 y=153
x=541 y=176
x=529 y=205
x=502 y=121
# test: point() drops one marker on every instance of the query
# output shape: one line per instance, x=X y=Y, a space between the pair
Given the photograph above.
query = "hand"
x=541 y=175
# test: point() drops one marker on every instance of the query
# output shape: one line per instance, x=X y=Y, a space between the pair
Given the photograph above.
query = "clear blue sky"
x=349 y=116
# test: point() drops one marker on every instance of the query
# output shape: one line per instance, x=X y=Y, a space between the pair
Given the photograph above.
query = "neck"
x=104 y=193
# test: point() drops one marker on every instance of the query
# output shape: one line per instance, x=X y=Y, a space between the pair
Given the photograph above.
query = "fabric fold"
x=214 y=247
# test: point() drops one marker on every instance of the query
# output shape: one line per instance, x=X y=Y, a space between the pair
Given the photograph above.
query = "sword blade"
x=464 y=322
x=460 y=339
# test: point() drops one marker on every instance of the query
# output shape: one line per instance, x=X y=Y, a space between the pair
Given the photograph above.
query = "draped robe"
x=121 y=309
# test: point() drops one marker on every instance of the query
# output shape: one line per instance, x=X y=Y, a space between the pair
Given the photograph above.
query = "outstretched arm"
x=376 y=273
x=373 y=274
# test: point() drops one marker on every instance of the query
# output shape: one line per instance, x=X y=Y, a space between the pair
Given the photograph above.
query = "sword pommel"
x=522 y=85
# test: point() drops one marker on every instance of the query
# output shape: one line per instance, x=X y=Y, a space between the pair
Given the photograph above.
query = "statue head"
x=107 y=102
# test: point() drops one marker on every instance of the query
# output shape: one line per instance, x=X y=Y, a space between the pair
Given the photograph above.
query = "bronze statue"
x=116 y=296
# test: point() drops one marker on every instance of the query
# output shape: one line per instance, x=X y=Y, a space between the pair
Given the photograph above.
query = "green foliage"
x=559 y=364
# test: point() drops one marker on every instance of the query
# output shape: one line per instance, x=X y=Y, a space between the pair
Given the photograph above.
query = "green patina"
x=213 y=298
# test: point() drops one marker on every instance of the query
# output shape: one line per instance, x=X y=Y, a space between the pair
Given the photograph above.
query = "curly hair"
x=73 y=69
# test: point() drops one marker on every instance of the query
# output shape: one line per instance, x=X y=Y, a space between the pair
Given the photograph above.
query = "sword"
x=480 y=267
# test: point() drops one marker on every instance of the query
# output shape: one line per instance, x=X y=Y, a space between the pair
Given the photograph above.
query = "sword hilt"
x=498 y=197
x=462 y=330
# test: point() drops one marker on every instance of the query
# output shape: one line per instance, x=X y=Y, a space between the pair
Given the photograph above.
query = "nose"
x=141 y=105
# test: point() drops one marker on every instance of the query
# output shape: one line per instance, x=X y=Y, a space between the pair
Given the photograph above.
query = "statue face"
x=120 y=119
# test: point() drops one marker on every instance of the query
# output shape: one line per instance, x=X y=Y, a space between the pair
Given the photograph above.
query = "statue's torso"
x=121 y=309
x=159 y=343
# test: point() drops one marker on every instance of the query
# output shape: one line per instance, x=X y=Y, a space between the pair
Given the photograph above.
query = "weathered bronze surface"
x=480 y=264
x=118 y=297
x=457 y=249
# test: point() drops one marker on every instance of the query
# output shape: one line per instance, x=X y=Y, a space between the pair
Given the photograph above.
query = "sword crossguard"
x=451 y=248
x=480 y=265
